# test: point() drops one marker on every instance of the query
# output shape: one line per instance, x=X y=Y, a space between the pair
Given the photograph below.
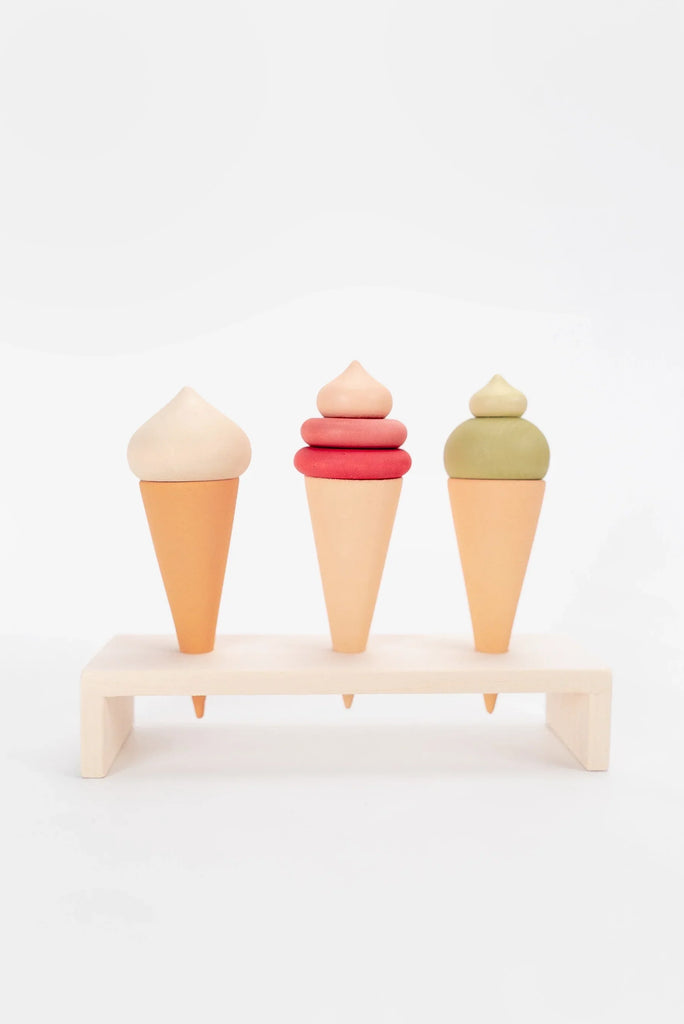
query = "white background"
x=243 y=198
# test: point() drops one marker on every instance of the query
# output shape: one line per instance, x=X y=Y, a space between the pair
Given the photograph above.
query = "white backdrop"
x=244 y=197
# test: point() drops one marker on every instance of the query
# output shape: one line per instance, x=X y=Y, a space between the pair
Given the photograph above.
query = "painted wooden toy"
x=353 y=466
x=496 y=463
x=577 y=687
x=189 y=458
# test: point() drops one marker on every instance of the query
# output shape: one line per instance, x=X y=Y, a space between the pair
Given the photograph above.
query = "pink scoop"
x=347 y=432
x=353 y=463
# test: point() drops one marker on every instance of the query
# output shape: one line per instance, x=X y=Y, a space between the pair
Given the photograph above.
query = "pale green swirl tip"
x=498 y=398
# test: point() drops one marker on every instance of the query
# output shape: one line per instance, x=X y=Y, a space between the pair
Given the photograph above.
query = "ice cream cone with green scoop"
x=496 y=463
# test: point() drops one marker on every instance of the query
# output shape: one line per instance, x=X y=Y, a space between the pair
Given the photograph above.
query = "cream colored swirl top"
x=189 y=440
x=354 y=394
x=498 y=398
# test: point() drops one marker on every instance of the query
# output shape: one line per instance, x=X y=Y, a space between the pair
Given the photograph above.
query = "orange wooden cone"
x=495 y=523
x=191 y=523
x=352 y=524
x=490 y=701
x=198 y=704
x=348 y=699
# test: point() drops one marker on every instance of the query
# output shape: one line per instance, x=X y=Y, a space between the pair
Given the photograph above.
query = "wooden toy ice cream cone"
x=495 y=522
x=189 y=457
x=353 y=468
x=191 y=524
x=495 y=462
x=352 y=524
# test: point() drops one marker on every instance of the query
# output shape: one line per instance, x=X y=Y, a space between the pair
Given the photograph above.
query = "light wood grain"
x=582 y=722
x=131 y=666
x=105 y=725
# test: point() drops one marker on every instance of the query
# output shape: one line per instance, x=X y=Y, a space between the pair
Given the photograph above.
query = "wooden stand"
x=577 y=688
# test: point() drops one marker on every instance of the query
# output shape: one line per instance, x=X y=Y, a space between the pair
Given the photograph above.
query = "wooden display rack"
x=577 y=688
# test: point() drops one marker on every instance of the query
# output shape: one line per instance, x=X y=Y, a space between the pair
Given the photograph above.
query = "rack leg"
x=582 y=722
x=105 y=725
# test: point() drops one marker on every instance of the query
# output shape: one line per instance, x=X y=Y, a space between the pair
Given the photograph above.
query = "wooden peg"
x=490 y=701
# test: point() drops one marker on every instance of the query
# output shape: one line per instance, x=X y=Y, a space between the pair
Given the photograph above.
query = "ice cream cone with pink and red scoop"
x=496 y=463
x=353 y=467
x=189 y=458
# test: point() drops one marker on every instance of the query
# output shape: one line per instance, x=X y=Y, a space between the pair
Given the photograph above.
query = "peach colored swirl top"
x=189 y=440
x=497 y=444
x=353 y=440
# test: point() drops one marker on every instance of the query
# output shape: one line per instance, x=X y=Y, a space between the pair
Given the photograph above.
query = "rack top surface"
x=306 y=664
